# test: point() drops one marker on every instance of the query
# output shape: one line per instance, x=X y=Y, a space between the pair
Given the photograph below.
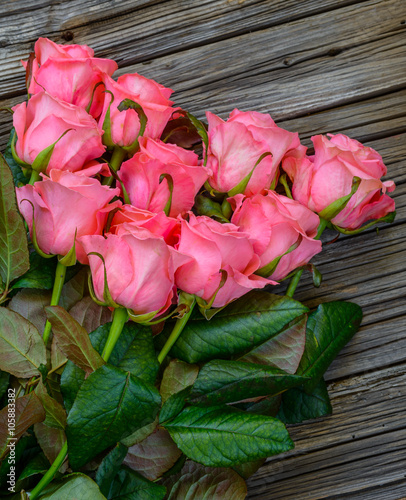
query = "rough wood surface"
x=317 y=66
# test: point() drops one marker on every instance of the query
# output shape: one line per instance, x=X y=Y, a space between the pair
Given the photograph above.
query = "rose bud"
x=71 y=135
x=219 y=251
x=158 y=224
x=150 y=101
x=70 y=73
x=62 y=206
x=138 y=267
x=341 y=182
x=281 y=231
x=245 y=151
x=163 y=175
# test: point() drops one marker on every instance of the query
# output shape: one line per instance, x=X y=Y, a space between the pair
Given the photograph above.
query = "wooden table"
x=316 y=66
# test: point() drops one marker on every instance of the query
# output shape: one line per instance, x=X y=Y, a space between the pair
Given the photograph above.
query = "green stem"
x=177 y=330
x=119 y=319
x=34 y=177
x=117 y=159
x=296 y=278
x=48 y=476
x=60 y=274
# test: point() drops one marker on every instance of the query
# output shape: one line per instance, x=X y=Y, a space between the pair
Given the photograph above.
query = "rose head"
x=214 y=248
x=329 y=175
x=124 y=126
x=158 y=224
x=281 y=231
x=62 y=205
x=70 y=73
x=139 y=267
x=237 y=149
x=160 y=174
x=45 y=120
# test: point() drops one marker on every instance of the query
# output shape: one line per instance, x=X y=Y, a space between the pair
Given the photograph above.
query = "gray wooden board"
x=317 y=66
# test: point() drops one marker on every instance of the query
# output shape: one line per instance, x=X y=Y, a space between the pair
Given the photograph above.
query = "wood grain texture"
x=317 y=66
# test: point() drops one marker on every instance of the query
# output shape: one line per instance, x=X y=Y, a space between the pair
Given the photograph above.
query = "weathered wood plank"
x=114 y=30
x=366 y=434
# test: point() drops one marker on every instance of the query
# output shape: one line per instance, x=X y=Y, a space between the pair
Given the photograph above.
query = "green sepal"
x=206 y=307
x=337 y=206
x=209 y=207
x=108 y=300
x=201 y=130
x=143 y=319
x=316 y=274
x=106 y=137
x=92 y=292
x=40 y=164
x=87 y=109
x=70 y=258
x=34 y=235
x=226 y=209
x=284 y=182
x=240 y=187
x=388 y=218
x=16 y=158
x=129 y=104
x=270 y=268
x=169 y=180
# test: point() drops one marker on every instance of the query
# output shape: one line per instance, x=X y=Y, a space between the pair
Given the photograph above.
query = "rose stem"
x=177 y=330
x=296 y=278
x=119 y=318
x=60 y=274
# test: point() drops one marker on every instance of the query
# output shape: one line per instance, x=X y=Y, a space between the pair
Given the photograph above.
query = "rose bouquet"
x=143 y=353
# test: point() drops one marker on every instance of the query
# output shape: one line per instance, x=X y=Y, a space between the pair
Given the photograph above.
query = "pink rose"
x=147 y=189
x=158 y=224
x=63 y=204
x=281 y=231
x=322 y=179
x=125 y=126
x=140 y=269
x=216 y=247
x=236 y=146
x=70 y=73
x=43 y=121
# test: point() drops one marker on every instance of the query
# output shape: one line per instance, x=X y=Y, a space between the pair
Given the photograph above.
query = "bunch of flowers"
x=201 y=367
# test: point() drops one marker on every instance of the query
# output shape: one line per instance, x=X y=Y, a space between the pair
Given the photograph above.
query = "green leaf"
x=134 y=351
x=196 y=482
x=249 y=468
x=153 y=456
x=177 y=376
x=284 y=350
x=4 y=381
x=329 y=328
x=51 y=441
x=28 y=411
x=222 y=381
x=41 y=274
x=14 y=257
x=71 y=380
x=237 y=329
x=73 y=340
x=55 y=415
x=206 y=206
x=74 y=486
x=174 y=405
x=38 y=465
x=129 y=485
x=110 y=405
x=298 y=406
x=223 y=436
x=30 y=304
x=18 y=175
x=266 y=406
x=140 y=434
x=22 y=349
x=109 y=467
